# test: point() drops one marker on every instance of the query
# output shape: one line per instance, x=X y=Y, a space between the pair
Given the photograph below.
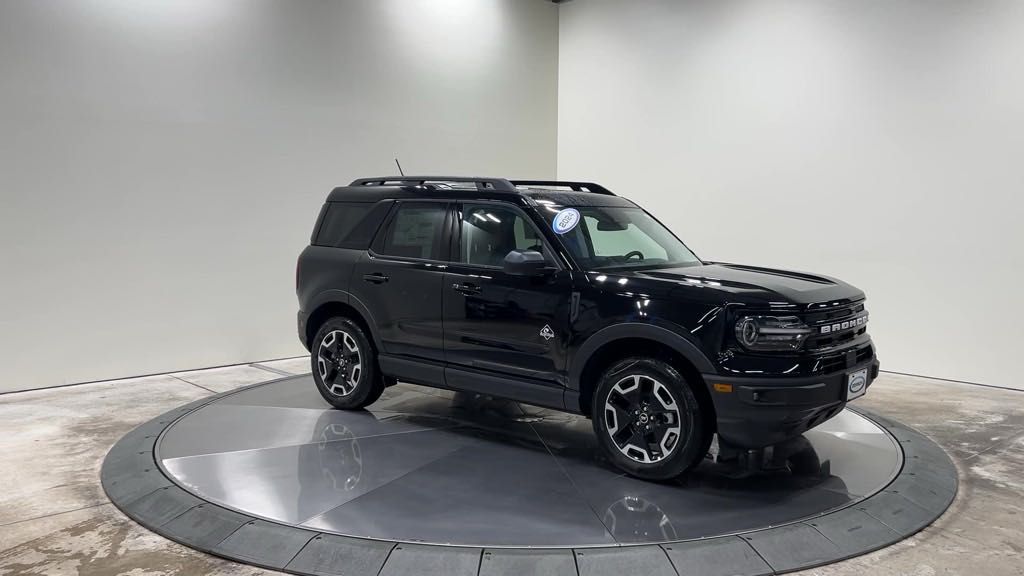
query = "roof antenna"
x=399 y=167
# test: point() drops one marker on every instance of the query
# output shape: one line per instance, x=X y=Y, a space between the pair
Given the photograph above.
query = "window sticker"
x=565 y=220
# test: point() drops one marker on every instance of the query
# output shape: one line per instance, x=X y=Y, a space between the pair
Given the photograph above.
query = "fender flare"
x=328 y=297
x=673 y=340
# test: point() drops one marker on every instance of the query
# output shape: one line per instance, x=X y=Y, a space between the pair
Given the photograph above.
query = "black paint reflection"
x=633 y=519
x=341 y=463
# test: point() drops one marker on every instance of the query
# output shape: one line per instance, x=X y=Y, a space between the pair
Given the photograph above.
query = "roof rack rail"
x=491 y=184
x=576 y=186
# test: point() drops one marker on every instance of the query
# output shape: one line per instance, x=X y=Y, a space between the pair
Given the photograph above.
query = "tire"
x=643 y=399
x=347 y=381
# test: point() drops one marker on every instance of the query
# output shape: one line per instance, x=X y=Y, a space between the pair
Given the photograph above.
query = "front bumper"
x=759 y=412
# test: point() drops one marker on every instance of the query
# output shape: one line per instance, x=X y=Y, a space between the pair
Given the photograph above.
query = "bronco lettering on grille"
x=844 y=325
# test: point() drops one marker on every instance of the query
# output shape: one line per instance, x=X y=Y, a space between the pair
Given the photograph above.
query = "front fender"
x=660 y=334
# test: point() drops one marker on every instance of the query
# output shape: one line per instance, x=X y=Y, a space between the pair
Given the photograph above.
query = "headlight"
x=767 y=333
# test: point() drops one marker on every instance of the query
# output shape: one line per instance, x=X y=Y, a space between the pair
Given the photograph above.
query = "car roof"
x=524 y=192
x=567 y=198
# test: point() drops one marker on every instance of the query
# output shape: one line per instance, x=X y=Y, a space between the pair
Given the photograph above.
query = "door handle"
x=376 y=278
x=466 y=288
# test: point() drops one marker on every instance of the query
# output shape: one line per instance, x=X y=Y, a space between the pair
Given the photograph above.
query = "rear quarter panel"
x=324 y=275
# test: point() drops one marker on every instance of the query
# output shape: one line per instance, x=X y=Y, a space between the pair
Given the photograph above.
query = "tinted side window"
x=350 y=224
x=490 y=232
x=415 y=231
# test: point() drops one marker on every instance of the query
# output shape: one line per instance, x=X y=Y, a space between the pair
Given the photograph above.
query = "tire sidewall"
x=368 y=378
x=692 y=437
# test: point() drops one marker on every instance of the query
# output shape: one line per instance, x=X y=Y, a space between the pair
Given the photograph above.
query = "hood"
x=749 y=285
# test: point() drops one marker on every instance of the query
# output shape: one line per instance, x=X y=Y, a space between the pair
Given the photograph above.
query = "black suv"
x=564 y=295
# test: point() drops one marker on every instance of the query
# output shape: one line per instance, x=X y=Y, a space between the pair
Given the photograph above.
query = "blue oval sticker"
x=565 y=220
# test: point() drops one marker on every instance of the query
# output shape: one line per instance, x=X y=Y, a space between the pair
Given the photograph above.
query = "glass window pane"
x=339 y=220
x=623 y=241
x=415 y=231
x=351 y=224
x=490 y=232
x=613 y=237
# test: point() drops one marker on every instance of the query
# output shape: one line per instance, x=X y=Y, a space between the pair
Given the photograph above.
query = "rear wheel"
x=648 y=420
x=345 y=366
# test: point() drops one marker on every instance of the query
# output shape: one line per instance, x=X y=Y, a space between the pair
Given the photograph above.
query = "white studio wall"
x=162 y=162
x=877 y=141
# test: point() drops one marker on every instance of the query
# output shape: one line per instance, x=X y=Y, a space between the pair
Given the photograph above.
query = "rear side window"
x=350 y=224
x=415 y=231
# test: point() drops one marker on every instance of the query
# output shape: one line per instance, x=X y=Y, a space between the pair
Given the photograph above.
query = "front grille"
x=845 y=360
x=834 y=327
x=830 y=314
x=820 y=343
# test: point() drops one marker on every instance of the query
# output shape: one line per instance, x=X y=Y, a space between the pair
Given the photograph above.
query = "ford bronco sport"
x=564 y=295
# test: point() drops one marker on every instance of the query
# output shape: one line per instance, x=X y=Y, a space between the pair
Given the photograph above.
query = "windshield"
x=615 y=237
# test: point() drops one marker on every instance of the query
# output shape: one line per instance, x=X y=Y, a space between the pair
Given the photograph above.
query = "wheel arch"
x=634 y=339
x=349 y=307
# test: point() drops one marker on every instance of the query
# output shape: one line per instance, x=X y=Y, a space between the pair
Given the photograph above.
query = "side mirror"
x=524 y=263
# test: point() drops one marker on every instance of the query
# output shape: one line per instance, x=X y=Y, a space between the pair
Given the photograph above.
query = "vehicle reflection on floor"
x=436 y=466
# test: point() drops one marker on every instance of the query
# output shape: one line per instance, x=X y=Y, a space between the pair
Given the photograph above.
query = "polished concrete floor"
x=55 y=519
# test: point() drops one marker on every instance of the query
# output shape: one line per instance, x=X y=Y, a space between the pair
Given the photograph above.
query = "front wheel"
x=345 y=366
x=648 y=420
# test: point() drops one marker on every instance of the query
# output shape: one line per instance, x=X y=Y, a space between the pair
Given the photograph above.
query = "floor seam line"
x=139 y=376
x=251 y=520
x=52 y=514
x=1009 y=440
x=304 y=546
x=996 y=386
x=758 y=552
x=299 y=551
x=271 y=370
x=669 y=558
x=179 y=378
x=386 y=558
x=176 y=516
x=389 y=482
x=815 y=528
x=882 y=522
x=574 y=485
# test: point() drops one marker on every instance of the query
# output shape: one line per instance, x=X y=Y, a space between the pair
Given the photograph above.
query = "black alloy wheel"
x=648 y=419
x=642 y=418
x=344 y=365
x=339 y=362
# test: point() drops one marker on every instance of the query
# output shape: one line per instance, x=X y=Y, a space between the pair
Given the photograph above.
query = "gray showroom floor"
x=55 y=519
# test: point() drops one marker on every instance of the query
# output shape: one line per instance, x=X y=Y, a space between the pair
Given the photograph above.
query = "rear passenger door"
x=400 y=278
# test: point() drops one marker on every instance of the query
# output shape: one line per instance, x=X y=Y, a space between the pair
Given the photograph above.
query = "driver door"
x=498 y=322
